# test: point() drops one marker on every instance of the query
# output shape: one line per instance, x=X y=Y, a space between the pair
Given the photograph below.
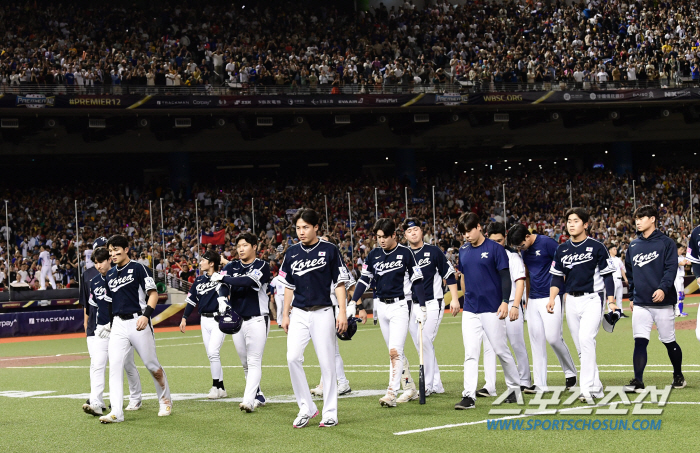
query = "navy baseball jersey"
x=481 y=268
x=128 y=288
x=203 y=295
x=435 y=267
x=693 y=254
x=247 y=285
x=652 y=263
x=99 y=300
x=583 y=265
x=538 y=259
x=311 y=272
x=393 y=271
x=84 y=299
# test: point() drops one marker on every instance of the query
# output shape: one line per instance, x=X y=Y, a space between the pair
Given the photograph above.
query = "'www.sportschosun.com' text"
x=563 y=424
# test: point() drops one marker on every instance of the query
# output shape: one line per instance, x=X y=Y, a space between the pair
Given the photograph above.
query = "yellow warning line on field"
x=544 y=98
x=414 y=100
x=168 y=312
x=28 y=304
x=690 y=289
x=140 y=103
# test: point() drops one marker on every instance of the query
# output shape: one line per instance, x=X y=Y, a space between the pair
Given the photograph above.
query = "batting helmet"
x=352 y=328
x=609 y=320
x=230 y=323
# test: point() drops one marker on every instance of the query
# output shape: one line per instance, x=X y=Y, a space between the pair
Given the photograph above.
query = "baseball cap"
x=99 y=242
x=610 y=319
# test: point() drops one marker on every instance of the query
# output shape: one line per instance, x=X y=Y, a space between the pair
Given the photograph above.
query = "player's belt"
x=248 y=318
x=208 y=315
x=314 y=307
x=390 y=300
x=578 y=293
x=128 y=316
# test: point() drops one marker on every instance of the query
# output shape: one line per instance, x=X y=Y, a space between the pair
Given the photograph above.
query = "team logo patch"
x=589 y=249
x=256 y=274
x=554 y=263
x=223 y=272
x=537 y=253
x=485 y=255
x=282 y=274
x=131 y=271
x=364 y=267
x=398 y=257
x=321 y=253
x=426 y=254
x=417 y=273
x=610 y=262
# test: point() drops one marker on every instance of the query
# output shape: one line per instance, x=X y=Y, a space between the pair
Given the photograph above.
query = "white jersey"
x=517 y=271
x=681 y=271
x=278 y=288
x=45 y=259
x=617 y=274
x=88 y=259
x=348 y=285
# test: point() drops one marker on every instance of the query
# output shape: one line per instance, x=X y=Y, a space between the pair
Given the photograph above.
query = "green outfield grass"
x=58 y=424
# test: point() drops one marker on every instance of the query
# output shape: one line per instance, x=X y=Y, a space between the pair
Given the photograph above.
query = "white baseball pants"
x=514 y=330
x=213 y=339
x=644 y=318
x=393 y=321
x=475 y=326
x=583 y=315
x=318 y=326
x=250 y=345
x=46 y=272
x=279 y=304
x=433 y=383
x=98 y=348
x=124 y=335
x=544 y=327
x=618 y=293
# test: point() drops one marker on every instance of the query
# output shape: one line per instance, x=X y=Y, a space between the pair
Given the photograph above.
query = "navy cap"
x=99 y=242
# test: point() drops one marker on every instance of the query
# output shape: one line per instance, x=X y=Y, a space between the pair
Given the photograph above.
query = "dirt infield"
x=39 y=360
x=686 y=324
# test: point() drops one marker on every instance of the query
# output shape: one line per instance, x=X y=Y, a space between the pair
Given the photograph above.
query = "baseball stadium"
x=349 y=225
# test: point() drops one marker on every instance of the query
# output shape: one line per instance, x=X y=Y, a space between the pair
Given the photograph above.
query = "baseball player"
x=343 y=383
x=309 y=270
x=246 y=280
x=97 y=312
x=652 y=265
x=393 y=268
x=435 y=268
x=203 y=295
x=134 y=297
x=618 y=276
x=582 y=269
x=278 y=289
x=693 y=256
x=537 y=252
x=486 y=281
x=680 y=281
x=46 y=262
x=514 y=327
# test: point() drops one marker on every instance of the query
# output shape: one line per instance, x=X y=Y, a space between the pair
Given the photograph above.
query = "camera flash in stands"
x=387 y=158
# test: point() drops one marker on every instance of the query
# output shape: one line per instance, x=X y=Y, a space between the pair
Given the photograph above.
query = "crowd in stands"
x=84 y=46
x=537 y=198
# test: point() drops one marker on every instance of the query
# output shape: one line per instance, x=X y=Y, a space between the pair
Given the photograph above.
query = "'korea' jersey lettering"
x=583 y=265
x=311 y=272
x=651 y=263
x=435 y=267
x=99 y=300
x=203 y=295
x=128 y=287
x=394 y=272
x=247 y=284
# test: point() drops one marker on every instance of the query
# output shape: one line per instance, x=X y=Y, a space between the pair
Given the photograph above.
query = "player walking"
x=97 y=309
x=618 y=276
x=680 y=282
x=486 y=282
x=435 y=268
x=514 y=322
x=652 y=265
x=46 y=264
x=393 y=267
x=203 y=295
x=134 y=297
x=537 y=252
x=309 y=270
x=278 y=290
x=582 y=269
x=246 y=280
x=693 y=256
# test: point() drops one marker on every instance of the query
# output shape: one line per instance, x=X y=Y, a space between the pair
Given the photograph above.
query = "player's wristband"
x=359 y=307
x=148 y=311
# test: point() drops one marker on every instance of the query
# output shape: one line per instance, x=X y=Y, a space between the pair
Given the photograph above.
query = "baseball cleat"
x=407 y=395
x=683 y=315
x=327 y=423
x=303 y=420
x=678 y=381
x=213 y=393
x=111 y=418
x=344 y=389
x=388 y=400
x=95 y=410
x=222 y=393
x=133 y=406
x=531 y=390
x=483 y=393
x=586 y=399
x=317 y=391
x=570 y=382
x=247 y=407
x=466 y=403
x=260 y=398
x=634 y=386
x=512 y=398
x=165 y=410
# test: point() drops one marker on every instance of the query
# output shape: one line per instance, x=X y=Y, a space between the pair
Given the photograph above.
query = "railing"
x=241 y=89
x=171 y=281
